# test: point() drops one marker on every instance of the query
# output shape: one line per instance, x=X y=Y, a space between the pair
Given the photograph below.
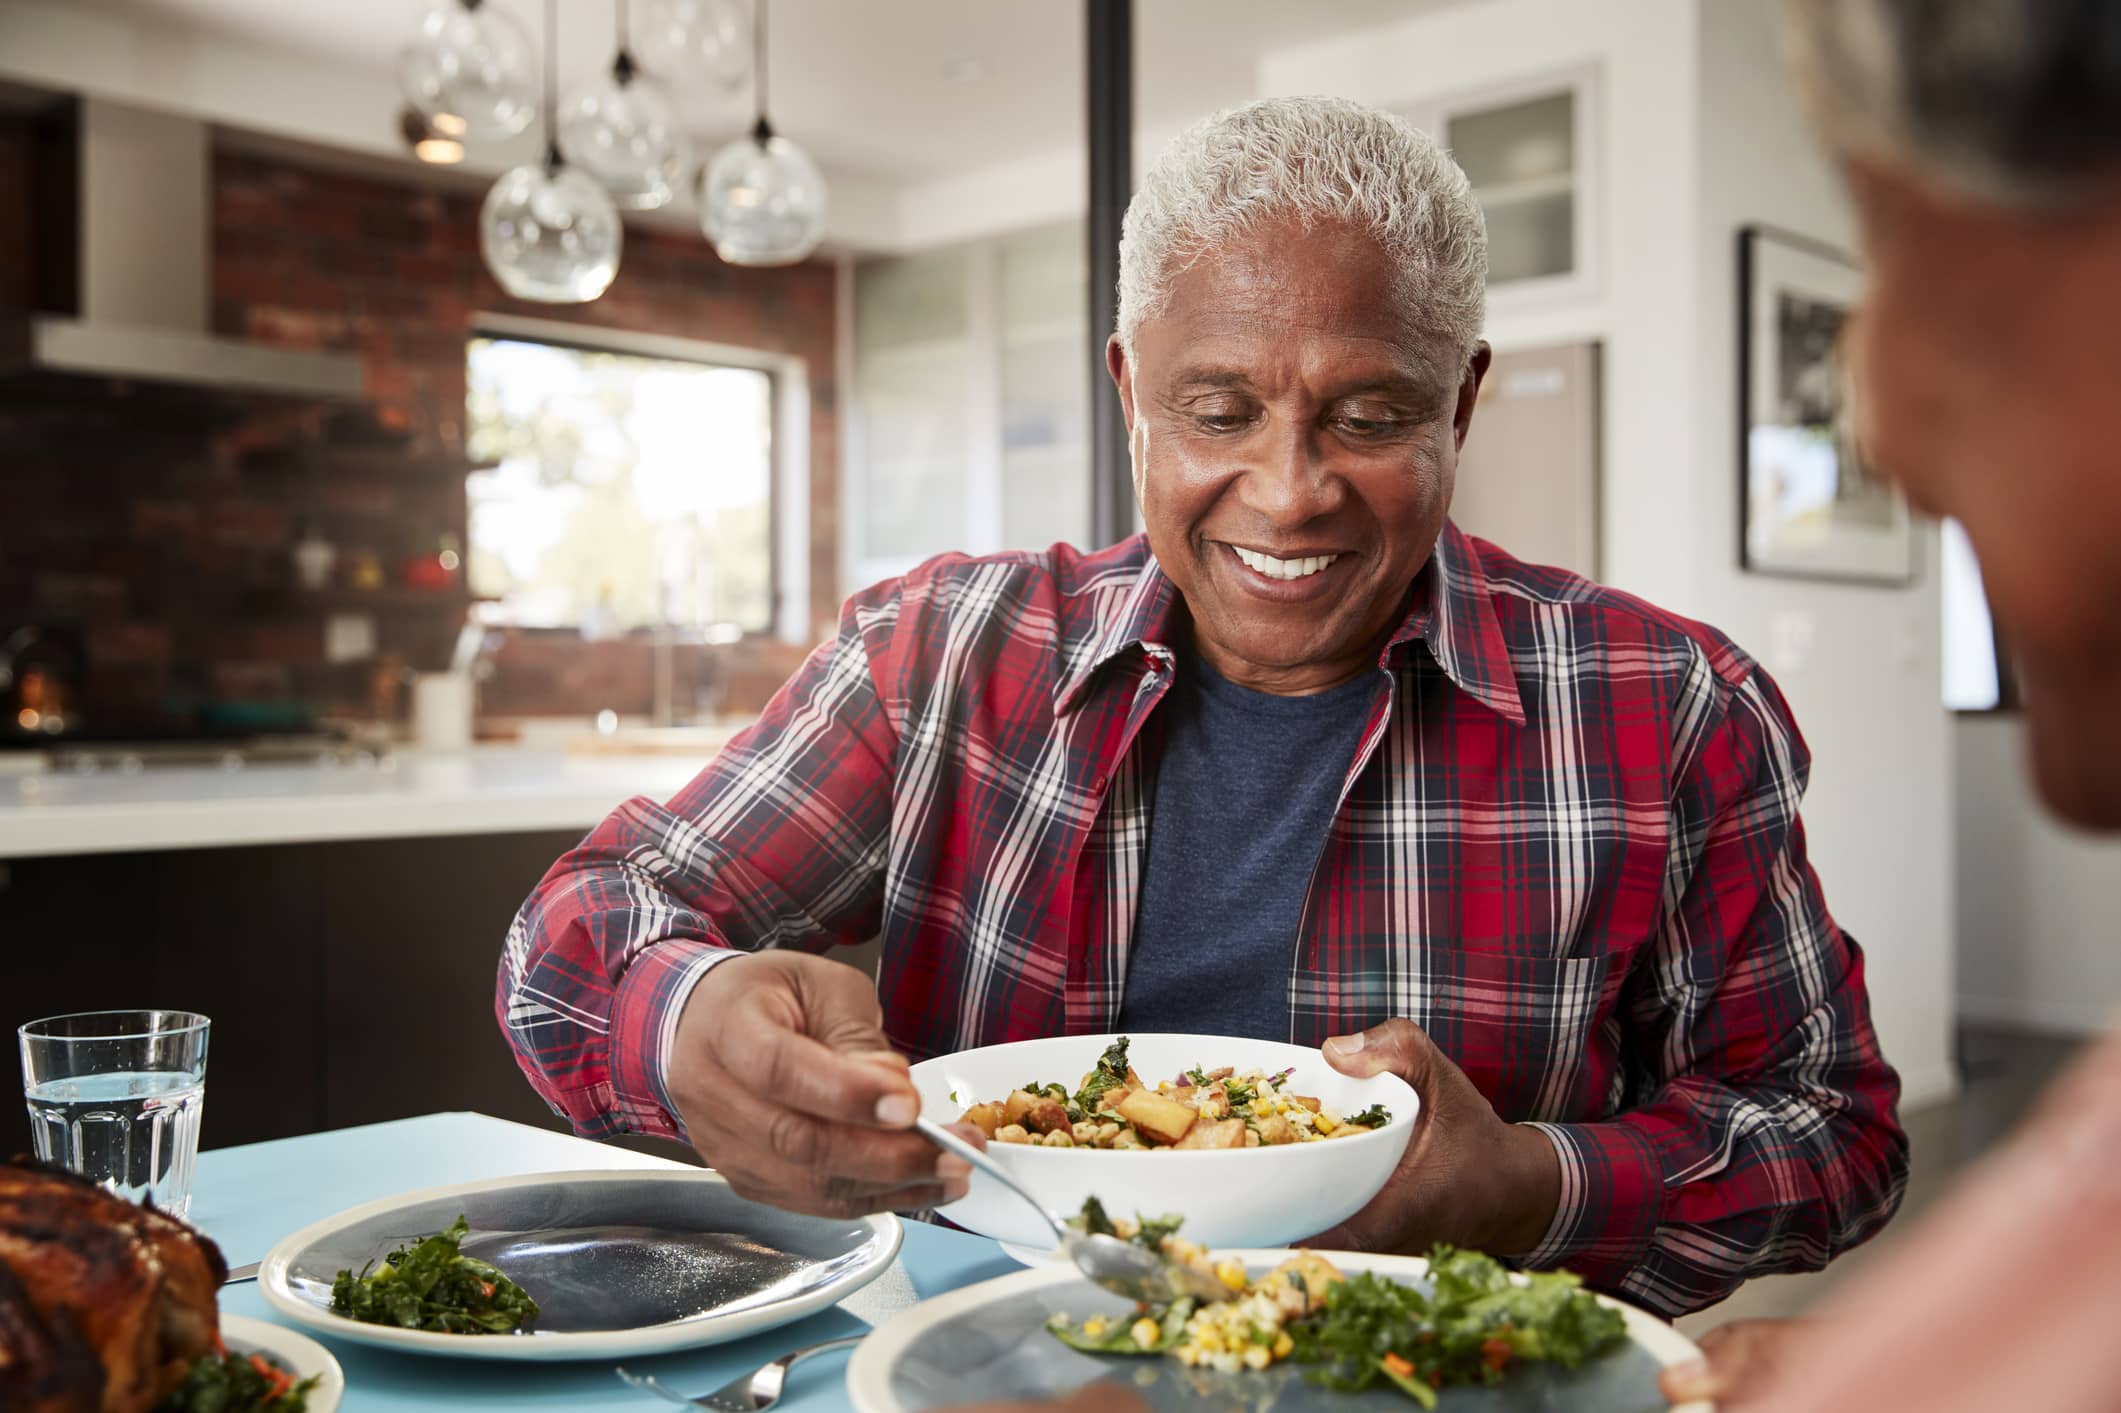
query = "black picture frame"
x=1793 y=294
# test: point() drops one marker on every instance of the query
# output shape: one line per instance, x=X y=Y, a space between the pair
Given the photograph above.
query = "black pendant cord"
x=622 y=67
x=552 y=87
x=764 y=131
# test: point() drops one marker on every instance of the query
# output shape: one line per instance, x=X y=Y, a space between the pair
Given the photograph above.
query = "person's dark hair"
x=2015 y=100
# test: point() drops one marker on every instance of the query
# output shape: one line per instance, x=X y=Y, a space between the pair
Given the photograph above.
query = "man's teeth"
x=1274 y=568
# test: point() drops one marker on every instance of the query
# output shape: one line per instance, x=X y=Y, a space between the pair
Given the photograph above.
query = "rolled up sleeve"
x=780 y=841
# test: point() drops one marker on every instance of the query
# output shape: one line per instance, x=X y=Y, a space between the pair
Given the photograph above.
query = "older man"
x=1304 y=762
x=1983 y=145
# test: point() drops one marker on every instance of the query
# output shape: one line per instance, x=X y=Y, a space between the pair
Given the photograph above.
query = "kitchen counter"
x=488 y=790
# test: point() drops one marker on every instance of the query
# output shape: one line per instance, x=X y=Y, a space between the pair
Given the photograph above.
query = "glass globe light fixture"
x=626 y=133
x=550 y=234
x=470 y=72
x=762 y=201
x=682 y=41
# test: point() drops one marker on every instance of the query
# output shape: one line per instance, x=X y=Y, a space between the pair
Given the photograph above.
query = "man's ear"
x=1469 y=392
x=1116 y=365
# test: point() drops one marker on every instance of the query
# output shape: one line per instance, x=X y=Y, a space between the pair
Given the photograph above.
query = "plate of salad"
x=1334 y=1331
x=260 y=1368
x=573 y=1265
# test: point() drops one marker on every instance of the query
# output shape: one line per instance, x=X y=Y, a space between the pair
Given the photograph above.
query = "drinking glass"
x=117 y=1096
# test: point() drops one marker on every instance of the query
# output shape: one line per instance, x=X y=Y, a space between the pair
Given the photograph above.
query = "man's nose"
x=1288 y=480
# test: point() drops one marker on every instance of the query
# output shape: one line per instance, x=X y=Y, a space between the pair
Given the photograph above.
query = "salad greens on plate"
x=1471 y=1321
x=433 y=1285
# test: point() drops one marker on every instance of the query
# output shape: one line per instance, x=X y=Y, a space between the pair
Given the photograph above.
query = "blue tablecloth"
x=247 y=1198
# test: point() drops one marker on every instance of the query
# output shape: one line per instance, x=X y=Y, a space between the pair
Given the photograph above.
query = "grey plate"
x=989 y=1341
x=622 y=1263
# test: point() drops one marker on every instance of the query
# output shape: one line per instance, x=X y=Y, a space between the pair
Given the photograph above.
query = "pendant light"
x=626 y=133
x=684 y=42
x=548 y=232
x=762 y=200
x=470 y=71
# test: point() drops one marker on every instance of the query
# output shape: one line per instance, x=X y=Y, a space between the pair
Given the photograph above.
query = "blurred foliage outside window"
x=626 y=491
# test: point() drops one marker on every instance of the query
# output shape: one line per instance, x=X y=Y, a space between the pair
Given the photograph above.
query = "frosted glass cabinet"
x=1530 y=151
x=971 y=393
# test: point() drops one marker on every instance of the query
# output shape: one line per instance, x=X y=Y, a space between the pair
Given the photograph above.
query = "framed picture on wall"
x=1808 y=505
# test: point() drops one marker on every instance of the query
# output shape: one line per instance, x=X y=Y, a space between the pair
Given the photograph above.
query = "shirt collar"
x=1450 y=611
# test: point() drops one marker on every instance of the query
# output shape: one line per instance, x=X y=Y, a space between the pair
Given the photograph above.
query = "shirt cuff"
x=644 y=1021
x=1612 y=1200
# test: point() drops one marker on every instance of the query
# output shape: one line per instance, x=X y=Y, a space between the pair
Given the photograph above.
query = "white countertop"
x=487 y=790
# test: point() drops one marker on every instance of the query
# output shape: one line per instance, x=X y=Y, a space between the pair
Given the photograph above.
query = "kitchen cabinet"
x=347 y=982
x=1530 y=150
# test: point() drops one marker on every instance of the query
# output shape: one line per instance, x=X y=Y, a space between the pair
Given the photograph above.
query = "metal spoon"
x=1121 y=1267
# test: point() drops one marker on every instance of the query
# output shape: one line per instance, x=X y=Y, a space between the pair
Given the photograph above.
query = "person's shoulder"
x=1061 y=591
x=1623 y=633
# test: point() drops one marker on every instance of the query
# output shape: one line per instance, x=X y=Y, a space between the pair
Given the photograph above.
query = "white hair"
x=1314 y=160
x=2015 y=101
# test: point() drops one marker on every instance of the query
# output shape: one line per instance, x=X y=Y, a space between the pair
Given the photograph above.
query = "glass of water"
x=116 y=1096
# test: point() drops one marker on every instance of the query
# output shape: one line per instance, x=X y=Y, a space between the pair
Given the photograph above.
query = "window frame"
x=788 y=505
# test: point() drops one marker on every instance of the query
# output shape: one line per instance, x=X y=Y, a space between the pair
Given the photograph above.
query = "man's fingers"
x=802 y=1073
x=827 y=1160
x=1397 y=1046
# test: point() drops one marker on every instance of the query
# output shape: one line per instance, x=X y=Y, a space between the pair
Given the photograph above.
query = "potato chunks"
x=1228 y=1133
x=1274 y=1129
x=1158 y=1118
x=1040 y=1113
x=985 y=1117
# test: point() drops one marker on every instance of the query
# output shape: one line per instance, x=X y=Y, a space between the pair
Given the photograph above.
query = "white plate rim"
x=694 y=1333
x=869 y=1370
x=302 y=1356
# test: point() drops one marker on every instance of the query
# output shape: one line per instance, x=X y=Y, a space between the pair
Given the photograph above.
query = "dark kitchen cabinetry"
x=348 y=983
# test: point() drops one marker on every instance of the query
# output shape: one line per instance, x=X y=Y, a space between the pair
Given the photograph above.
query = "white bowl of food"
x=1254 y=1142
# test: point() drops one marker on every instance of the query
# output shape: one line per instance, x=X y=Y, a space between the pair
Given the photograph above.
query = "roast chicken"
x=104 y=1305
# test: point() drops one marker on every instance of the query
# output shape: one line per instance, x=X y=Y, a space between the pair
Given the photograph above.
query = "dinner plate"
x=291 y=1350
x=622 y=1263
x=989 y=1342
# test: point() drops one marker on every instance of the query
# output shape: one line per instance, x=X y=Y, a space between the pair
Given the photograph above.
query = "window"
x=627 y=490
x=1977 y=674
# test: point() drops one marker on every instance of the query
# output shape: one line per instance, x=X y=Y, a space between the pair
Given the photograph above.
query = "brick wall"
x=160 y=525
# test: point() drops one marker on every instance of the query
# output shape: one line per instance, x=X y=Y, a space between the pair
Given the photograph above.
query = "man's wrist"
x=1532 y=1184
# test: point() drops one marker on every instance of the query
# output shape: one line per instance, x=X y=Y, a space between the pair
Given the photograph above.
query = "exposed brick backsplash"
x=159 y=526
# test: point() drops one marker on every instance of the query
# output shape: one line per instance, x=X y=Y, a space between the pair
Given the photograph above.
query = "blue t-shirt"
x=1245 y=792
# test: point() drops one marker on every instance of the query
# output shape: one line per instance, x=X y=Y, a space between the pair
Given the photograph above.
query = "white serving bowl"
x=1237 y=1197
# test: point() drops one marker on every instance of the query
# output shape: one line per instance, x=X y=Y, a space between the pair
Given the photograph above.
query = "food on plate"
x=240 y=1383
x=433 y=1285
x=104 y=1305
x=1471 y=1322
x=1114 y=1107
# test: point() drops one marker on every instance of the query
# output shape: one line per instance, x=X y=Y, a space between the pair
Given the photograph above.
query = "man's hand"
x=1467 y=1178
x=788 y=1088
x=1741 y=1363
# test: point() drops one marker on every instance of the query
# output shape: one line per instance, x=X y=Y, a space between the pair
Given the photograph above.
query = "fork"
x=747 y=1393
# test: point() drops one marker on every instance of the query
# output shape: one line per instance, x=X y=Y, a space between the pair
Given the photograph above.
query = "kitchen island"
x=489 y=790
x=341 y=926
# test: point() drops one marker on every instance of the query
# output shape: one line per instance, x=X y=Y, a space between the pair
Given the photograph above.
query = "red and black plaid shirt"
x=1568 y=847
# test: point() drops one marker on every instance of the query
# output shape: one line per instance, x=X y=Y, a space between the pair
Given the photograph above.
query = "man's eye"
x=1368 y=426
x=1219 y=421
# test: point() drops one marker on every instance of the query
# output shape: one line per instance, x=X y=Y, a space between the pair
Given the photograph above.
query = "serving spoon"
x=1122 y=1267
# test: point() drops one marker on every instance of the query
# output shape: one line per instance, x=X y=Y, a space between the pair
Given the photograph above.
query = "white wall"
x=1698 y=135
x=1867 y=691
x=2039 y=905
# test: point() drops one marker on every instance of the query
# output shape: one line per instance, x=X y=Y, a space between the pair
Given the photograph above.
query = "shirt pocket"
x=1537 y=1034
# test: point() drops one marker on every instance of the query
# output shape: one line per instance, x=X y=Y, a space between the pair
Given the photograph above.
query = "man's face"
x=1987 y=362
x=1294 y=450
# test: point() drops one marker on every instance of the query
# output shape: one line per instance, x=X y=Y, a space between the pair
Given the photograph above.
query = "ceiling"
x=899 y=90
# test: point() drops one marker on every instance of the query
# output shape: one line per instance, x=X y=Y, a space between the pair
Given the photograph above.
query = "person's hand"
x=1741 y=1363
x=788 y=1088
x=1467 y=1178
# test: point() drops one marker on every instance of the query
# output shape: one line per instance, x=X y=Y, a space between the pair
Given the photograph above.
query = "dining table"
x=248 y=1197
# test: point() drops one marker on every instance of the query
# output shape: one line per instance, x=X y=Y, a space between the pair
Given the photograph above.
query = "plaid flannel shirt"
x=1568 y=847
